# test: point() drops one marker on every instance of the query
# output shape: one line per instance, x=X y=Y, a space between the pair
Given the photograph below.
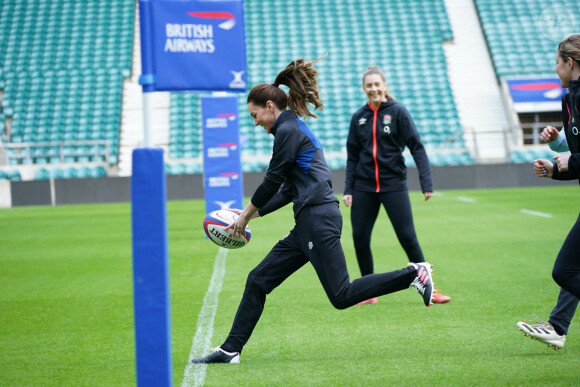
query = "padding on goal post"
x=150 y=269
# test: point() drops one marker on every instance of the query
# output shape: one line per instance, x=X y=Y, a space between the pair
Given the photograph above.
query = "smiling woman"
x=376 y=174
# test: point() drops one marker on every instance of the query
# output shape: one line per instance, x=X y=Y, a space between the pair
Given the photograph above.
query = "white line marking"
x=194 y=374
x=536 y=213
x=438 y=194
x=466 y=200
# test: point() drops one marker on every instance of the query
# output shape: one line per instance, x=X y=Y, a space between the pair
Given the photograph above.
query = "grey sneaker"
x=544 y=332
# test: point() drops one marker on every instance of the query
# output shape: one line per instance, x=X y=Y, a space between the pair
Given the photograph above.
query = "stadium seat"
x=57 y=81
x=514 y=38
x=401 y=28
x=41 y=174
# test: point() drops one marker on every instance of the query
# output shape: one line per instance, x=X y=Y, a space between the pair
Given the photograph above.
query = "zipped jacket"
x=375 y=145
x=571 y=121
x=297 y=172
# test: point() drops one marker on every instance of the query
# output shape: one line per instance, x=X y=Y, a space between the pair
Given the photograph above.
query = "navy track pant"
x=314 y=239
x=566 y=270
x=363 y=215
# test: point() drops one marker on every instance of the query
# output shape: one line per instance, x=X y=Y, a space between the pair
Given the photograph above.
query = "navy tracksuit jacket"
x=566 y=270
x=298 y=172
x=375 y=145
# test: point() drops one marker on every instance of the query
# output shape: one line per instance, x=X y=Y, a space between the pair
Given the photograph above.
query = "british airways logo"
x=223 y=179
x=219 y=121
x=229 y=19
x=197 y=37
x=221 y=150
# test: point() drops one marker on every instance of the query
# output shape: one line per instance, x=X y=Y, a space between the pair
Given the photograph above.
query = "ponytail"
x=300 y=77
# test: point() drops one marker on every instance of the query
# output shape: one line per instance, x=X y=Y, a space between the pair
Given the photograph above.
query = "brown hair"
x=375 y=70
x=570 y=48
x=300 y=77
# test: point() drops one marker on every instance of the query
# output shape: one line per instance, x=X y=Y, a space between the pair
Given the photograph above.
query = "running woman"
x=566 y=271
x=298 y=173
x=376 y=174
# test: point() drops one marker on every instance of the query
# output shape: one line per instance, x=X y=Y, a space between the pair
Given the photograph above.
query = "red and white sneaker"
x=423 y=282
x=373 y=300
x=439 y=298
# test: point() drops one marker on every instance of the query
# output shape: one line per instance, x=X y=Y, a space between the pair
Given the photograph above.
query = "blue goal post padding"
x=150 y=269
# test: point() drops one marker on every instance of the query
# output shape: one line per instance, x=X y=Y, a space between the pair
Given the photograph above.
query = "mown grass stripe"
x=536 y=213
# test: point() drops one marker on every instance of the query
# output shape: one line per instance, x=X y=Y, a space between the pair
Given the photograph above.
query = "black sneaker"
x=219 y=356
x=423 y=283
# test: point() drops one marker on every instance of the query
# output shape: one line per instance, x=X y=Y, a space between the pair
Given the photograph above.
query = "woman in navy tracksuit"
x=298 y=173
x=566 y=270
x=376 y=172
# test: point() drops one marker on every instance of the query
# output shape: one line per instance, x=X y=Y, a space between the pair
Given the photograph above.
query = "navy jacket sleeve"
x=573 y=171
x=413 y=142
x=279 y=200
x=353 y=148
x=283 y=156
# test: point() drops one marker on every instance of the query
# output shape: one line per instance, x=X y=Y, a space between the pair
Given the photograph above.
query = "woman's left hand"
x=562 y=161
x=428 y=195
x=239 y=225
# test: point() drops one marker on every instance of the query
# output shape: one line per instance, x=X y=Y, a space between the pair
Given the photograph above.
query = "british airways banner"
x=221 y=153
x=192 y=45
x=535 y=95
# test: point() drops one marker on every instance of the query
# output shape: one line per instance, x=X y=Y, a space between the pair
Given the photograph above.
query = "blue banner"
x=222 y=164
x=193 y=45
x=534 y=95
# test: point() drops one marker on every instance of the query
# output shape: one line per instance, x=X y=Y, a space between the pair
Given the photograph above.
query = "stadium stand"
x=512 y=29
x=404 y=38
x=62 y=66
x=522 y=37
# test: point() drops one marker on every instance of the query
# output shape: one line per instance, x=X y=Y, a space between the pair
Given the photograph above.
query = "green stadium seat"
x=41 y=174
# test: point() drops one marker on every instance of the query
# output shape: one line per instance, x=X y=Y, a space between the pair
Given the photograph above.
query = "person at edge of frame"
x=566 y=271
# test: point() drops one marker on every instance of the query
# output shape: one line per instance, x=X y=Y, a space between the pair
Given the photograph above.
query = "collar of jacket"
x=574 y=86
x=383 y=105
x=285 y=116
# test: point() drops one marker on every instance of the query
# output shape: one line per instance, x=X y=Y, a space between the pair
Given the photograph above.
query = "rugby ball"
x=215 y=224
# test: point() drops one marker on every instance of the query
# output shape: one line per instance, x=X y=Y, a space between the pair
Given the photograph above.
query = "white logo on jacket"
x=387 y=129
x=362 y=121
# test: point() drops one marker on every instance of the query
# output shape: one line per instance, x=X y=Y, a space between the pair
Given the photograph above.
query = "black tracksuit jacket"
x=571 y=120
x=375 y=145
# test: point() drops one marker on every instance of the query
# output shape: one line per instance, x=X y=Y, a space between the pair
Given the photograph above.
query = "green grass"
x=66 y=314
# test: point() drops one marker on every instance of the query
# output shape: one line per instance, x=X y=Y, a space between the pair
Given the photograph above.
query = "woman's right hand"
x=347 y=199
x=549 y=134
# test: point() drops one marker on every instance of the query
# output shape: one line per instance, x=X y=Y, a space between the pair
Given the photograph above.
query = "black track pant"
x=566 y=270
x=314 y=239
x=363 y=215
